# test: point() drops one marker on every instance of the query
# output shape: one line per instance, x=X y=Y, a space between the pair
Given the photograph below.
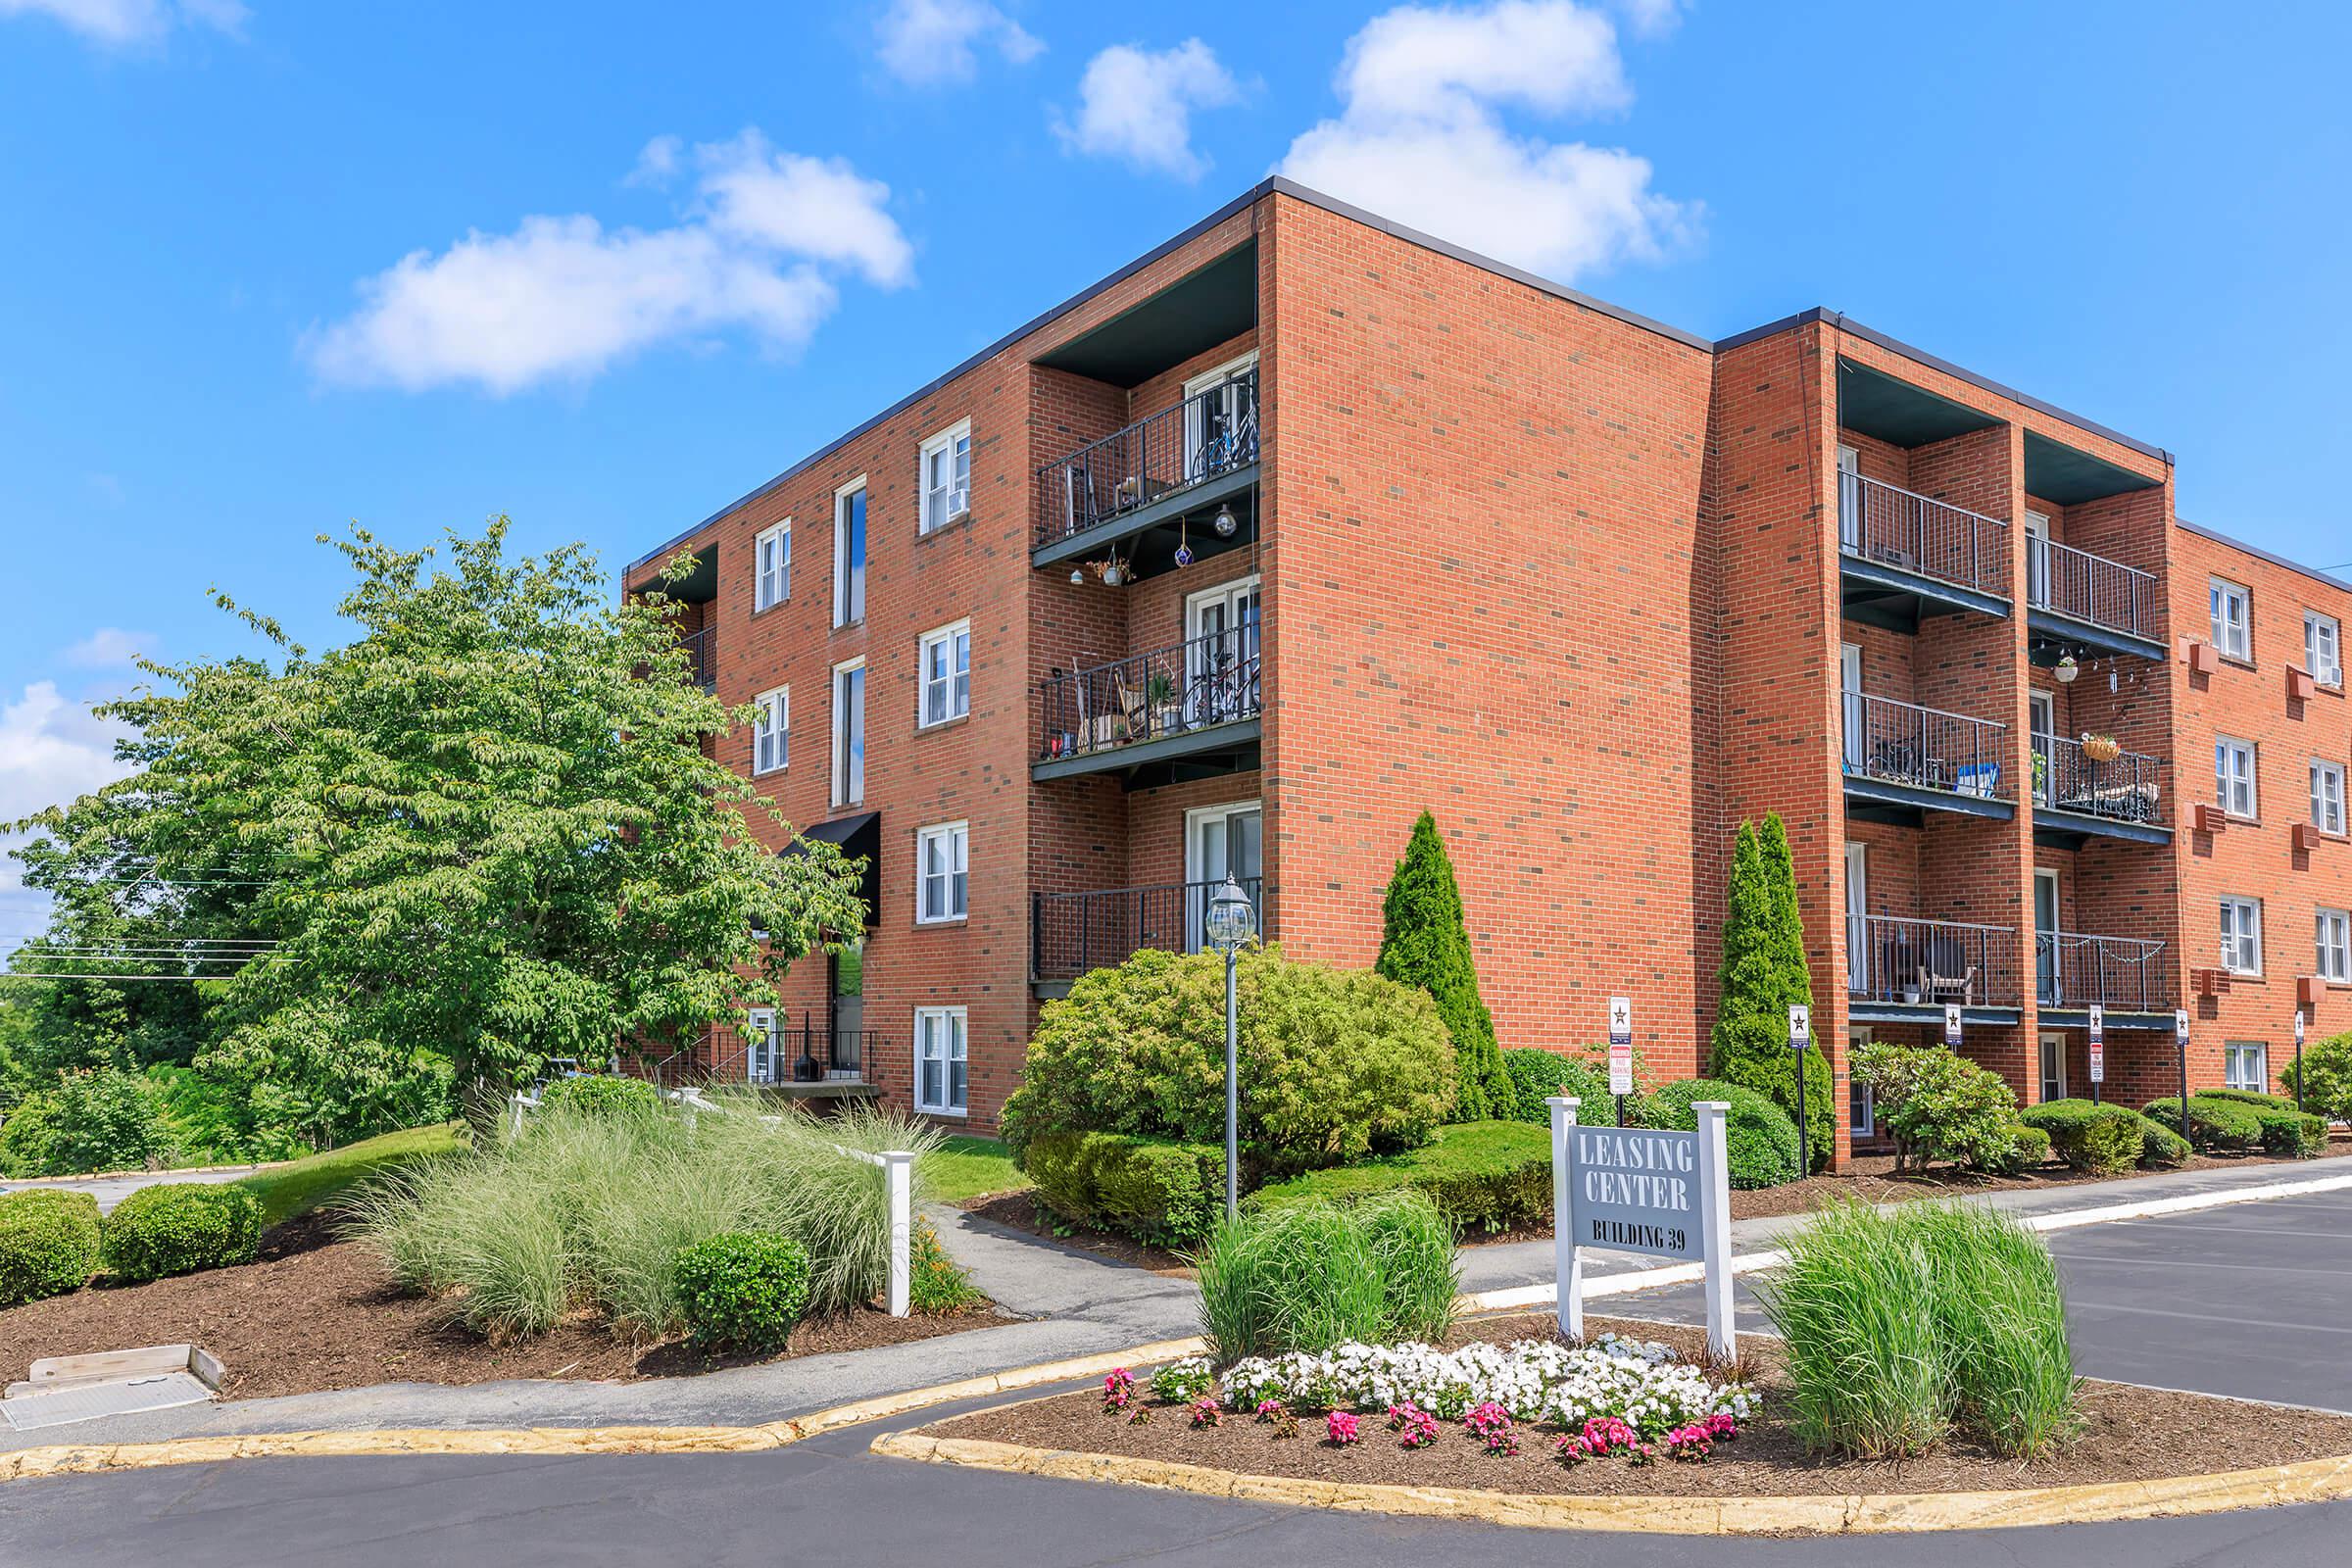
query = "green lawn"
x=297 y=1188
x=966 y=1167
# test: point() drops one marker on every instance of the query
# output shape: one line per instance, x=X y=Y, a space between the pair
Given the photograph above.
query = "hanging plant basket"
x=2102 y=747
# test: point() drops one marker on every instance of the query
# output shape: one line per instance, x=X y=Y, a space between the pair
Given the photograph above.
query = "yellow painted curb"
x=82 y=1458
x=2310 y=1481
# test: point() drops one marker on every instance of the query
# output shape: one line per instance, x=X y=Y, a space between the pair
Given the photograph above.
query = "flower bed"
x=1504 y=1408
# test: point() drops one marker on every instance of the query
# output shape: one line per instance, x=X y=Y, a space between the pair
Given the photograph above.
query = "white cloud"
x=563 y=298
x=51 y=751
x=110 y=647
x=121 y=23
x=1652 y=18
x=658 y=163
x=1136 y=104
x=926 y=41
x=1420 y=137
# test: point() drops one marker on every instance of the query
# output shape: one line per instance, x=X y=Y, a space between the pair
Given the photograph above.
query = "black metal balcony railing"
x=2124 y=788
x=702 y=657
x=1070 y=933
x=1175 y=690
x=1926 y=748
x=1877 y=521
x=1931 y=962
x=2090 y=588
x=814 y=1051
x=1212 y=432
x=2074 y=969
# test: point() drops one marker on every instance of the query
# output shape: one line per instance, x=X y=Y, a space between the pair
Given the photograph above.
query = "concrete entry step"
x=88 y=1402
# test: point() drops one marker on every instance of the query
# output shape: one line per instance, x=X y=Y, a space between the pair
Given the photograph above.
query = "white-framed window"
x=849 y=553
x=2232 y=617
x=759 y=1044
x=2233 y=776
x=941 y=872
x=2241 y=934
x=2327 y=795
x=940 y=1060
x=945 y=657
x=772 y=731
x=849 y=732
x=2246 y=1065
x=945 y=477
x=2323 y=647
x=771 y=562
x=2332 y=931
x=1862 y=1105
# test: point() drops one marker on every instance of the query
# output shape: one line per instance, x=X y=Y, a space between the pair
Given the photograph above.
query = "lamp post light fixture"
x=1230 y=924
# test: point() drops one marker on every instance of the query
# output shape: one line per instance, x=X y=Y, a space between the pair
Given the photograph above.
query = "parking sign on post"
x=2298 y=1061
x=1951 y=1025
x=1801 y=1035
x=2098 y=1049
x=2180 y=1045
x=1621 y=1044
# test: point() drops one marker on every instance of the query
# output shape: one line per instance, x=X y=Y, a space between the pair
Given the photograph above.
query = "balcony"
x=1902 y=759
x=818 y=1060
x=2077 y=795
x=1071 y=933
x=702 y=657
x=2074 y=598
x=2129 y=977
x=1187 y=711
x=1903 y=555
x=1168 y=489
x=1905 y=971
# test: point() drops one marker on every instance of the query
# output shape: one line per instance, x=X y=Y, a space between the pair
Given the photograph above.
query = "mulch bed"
x=2129 y=1434
x=1864 y=1178
x=315 y=1312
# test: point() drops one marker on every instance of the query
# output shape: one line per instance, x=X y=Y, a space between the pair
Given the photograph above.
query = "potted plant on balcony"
x=2102 y=747
x=1159 y=695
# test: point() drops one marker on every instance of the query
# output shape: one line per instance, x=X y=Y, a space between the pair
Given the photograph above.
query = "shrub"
x=1764 y=973
x=2221 y=1126
x=1312 y=1275
x=2325 y=1077
x=48 y=1243
x=1538 y=1074
x=743 y=1290
x=1759 y=1142
x=2102 y=1140
x=1900 y=1325
x=2160 y=1146
x=1161 y=1192
x=179 y=1228
x=1334 y=1065
x=2291 y=1135
x=602 y=1093
x=937 y=1283
x=96 y=1118
x=1938 y=1105
x=1424 y=942
x=2248 y=1096
x=1481 y=1176
x=2029 y=1150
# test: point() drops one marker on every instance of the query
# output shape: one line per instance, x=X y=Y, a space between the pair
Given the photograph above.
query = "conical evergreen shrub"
x=1764 y=973
x=1425 y=943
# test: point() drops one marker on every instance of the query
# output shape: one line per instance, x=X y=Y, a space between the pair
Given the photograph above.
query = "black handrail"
x=1926 y=748
x=1209 y=433
x=1930 y=962
x=702 y=657
x=1192 y=685
x=816 y=1050
x=2127 y=787
x=1897 y=527
x=1071 y=933
x=2074 y=969
x=2090 y=588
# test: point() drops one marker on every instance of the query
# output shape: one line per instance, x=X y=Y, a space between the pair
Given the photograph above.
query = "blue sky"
x=649 y=264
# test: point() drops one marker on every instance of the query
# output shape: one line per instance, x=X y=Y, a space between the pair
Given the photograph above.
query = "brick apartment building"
x=1303 y=522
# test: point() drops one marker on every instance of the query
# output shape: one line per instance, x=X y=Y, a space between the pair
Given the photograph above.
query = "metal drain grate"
x=89 y=1400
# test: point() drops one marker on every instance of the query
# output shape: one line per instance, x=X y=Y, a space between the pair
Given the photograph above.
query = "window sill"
x=937 y=1111
x=770 y=773
x=2237 y=663
x=2252 y=977
x=763 y=610
x=961 y=519
x=921 y=924
x=958 y=722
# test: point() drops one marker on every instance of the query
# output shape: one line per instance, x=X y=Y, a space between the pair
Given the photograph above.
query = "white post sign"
x=1642 y=1190
x=1952 y=1034
x=1621 y=1044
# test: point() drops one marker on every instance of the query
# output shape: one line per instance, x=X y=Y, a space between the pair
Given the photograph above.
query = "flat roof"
x=1277 y=185
x=2259 y=553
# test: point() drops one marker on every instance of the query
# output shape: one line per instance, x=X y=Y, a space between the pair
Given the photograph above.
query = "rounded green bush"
x=48 y=1243
x=1336 y=1064
x=743 y=1290
x=2323 y=1076
x=2225 y=1126
x=2161 y=1147
x=2289 y=1134
x=179 y=1228
x=1760 y=1140
x=1538 y=1074
x=1154 y=1190
x=602 y=1093
x=2102 y=1140
x=2028 y=1149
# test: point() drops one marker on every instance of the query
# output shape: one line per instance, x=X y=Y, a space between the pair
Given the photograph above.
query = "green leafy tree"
x=487 y=831
x=1763 y=975
x=1424 y=942
x=2325 y=1077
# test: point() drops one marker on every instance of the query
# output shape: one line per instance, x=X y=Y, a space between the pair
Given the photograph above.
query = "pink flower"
x=1119 y=1390
x=1415 y=1427
x=1205 y=1412
x=1339 y=1428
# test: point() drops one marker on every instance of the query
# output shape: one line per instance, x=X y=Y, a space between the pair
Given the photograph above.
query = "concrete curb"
x=26 y=1464
x=2326 y=1480
x=1521 y=1296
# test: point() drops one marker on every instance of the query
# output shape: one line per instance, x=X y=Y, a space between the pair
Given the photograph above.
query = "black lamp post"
x=1230 y=924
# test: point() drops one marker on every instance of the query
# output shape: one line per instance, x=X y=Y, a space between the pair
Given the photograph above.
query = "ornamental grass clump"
x=1310 y=1276
x=1903 y=1327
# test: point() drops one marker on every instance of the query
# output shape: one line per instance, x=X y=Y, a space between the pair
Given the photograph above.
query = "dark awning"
x=858 y=837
